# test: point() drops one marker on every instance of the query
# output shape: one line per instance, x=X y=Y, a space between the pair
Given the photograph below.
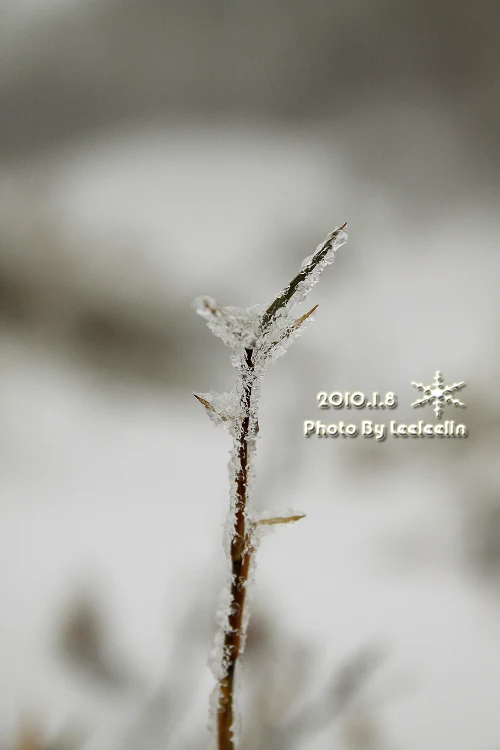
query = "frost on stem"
x=220 y=407
x=257 y=335
x=268 y=330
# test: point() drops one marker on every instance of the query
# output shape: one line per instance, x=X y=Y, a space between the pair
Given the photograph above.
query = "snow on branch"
x=257 y=335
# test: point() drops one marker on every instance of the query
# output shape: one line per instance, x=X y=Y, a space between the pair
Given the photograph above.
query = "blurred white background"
x=153 y=152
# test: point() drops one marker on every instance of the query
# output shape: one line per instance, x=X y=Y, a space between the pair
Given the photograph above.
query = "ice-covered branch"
x=308 y=275
x=257 y=336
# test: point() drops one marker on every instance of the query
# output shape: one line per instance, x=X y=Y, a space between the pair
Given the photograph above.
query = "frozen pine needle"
x=257 y=335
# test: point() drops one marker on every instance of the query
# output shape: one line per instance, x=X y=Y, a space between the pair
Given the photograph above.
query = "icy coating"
x=267 y=332
x=257 y=336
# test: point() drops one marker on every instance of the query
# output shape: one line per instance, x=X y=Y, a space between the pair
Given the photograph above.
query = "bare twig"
x=244 y=430
x=241 y=551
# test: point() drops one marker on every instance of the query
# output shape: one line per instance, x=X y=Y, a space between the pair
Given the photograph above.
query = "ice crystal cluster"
x=268 y=330
x=257 y=336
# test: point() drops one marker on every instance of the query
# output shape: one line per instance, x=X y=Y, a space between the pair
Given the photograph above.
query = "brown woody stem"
x=241 y=551
x=241 y=541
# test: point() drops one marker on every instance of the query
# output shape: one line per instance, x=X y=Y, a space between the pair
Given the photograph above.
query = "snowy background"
x=151 y=152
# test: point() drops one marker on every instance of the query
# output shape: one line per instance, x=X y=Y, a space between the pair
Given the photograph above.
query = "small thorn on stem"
x=208 y=406
x=280 y=519
x=304 y=317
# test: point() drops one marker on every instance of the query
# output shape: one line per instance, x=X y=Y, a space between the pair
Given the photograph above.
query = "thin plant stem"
x=242 y=544
x=241 y=551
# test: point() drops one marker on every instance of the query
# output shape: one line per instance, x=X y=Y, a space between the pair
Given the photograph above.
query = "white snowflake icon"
x=438 y=394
